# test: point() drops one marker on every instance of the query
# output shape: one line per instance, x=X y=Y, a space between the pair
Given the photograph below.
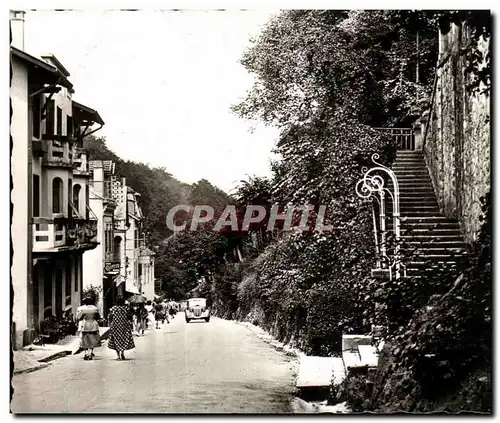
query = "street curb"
x=55 y=356
x=30 y=369
x=43 y=362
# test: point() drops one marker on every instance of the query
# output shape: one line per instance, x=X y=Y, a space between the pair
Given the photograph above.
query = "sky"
x=163 y=82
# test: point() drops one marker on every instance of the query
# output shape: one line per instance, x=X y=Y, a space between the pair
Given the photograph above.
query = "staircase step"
x=417 y=201
x=417 y=207
x=408 y=162
x=415 y=190
x=420 y=214
x=406 y=166
x=429 y=236
x=414 y=210
x=409 y=159
x=438 y=244
x=421 y=230
x=416 y=196
x=412 y=174
x=420 y=179
x=427 y=230
x=412 y=182
x=427 y=225
x=430 y=239
x=431 y=263
x=426 y=219
x=408 y=222
x=420 y=202
x=434 y=251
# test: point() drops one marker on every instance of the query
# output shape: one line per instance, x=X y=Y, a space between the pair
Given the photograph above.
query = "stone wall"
x=457 y=146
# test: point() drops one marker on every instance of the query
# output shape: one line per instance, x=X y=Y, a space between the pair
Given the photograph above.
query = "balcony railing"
x=58 y=154
x=404 y=137
x=80 y=164
x=49 y=235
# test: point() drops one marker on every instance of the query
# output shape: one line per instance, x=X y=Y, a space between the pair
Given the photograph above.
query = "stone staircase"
x=429 y=239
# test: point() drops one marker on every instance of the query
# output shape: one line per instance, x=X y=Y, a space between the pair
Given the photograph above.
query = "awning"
x=83 y=113
x=131 y=287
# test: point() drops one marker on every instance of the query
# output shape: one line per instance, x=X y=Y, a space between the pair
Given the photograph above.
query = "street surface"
x=215 y=367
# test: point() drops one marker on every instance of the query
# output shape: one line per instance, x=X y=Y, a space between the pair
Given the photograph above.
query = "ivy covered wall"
x=458 y=141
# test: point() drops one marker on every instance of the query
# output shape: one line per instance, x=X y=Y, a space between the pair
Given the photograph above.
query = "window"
x=36 y=117
x=59 y=121
x=76 y=196
x=36 y=196
x=69 y=126
x=57 y=195
x=70 y=193
x=116 y=248
x=109 y=228
x=49 y=123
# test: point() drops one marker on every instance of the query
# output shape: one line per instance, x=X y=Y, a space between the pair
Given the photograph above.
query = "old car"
x=197 y=310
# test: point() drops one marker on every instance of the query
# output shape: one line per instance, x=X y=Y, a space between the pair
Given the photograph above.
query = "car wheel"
x=187 y=320
x=207 y=319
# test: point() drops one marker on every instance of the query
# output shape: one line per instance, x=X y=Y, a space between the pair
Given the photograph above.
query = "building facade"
x=51 y=224
x=132 y=242
x=102 y=265
x=147 y=273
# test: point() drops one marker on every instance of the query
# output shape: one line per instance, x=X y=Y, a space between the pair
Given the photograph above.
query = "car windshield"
x=200 y=302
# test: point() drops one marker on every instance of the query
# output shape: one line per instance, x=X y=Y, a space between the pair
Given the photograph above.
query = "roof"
x=146 y=252
x=57 y=63
x=49 y=73
x=107 y=165
x=86 y=113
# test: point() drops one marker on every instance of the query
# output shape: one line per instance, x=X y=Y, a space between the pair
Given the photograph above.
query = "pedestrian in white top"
x=151 y=315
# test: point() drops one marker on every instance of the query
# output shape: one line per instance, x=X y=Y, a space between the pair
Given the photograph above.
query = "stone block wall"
x=457 y=146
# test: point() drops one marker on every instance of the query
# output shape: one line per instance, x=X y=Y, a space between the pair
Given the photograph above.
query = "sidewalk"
x=35 y=357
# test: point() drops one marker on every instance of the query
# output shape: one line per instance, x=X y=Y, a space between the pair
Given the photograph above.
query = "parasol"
x=136 y=299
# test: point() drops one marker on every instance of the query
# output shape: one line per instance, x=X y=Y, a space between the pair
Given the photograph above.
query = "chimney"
x=17 y=29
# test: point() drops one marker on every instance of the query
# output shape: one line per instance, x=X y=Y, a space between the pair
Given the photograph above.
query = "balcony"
x=80 y=164
x=51 y=235
x=58 y=154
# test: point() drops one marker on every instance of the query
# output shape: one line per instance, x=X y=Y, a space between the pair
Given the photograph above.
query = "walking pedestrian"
x=120 y=332
x=90 y=338
x=164 y=305
x=159 y=315
x=151 y=317
x=172 y=309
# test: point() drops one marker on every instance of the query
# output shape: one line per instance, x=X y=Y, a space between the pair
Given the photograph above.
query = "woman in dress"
x=90 y=338
x=151 y=314
x=120 y=332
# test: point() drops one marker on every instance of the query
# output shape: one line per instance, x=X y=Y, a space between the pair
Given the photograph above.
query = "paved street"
x=212 y=367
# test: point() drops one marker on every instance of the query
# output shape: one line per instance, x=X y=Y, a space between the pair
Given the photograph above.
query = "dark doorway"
x=59 y=282
x=47 y=290
x=36 y=297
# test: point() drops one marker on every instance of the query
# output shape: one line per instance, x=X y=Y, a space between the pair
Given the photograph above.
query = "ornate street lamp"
x=372 y=186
